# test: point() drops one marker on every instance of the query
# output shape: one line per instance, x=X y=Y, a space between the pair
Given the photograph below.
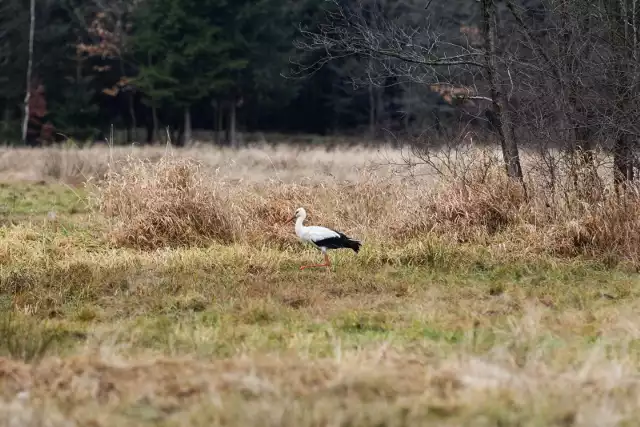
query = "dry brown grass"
x=482 y=204
x=365 y=207
x=605 y=229
x=173 y=200
x=258 y=164
x=163 y=204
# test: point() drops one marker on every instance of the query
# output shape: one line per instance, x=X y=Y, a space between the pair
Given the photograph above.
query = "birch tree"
x=27 y=96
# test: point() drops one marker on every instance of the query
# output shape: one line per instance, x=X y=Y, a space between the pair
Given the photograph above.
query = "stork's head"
x=300 y=213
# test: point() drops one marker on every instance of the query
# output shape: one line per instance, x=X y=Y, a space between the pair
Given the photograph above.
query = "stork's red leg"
x=327 y=263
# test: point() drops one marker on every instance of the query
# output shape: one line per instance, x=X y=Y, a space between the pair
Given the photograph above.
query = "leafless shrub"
x=454 y=157
x=480 y=203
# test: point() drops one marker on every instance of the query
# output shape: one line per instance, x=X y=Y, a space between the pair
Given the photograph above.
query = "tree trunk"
x=622 y=160
x=500 y=109
x=219 y=123
x=372 y=113
x=178 y=135
x=27 y=96
x=623 y=147
x=233 y=139
x=129 y=135
x=154 y=117
x=133 y=125
x=625 y=91
x=380 y=110
x=214 y=126
x=6 y=118
x=187 y=126
x=149 y=126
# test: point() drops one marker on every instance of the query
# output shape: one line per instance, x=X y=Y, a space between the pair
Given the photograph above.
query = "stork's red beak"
x=291 y=219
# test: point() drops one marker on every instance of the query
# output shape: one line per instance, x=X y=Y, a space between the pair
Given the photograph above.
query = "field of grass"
x=166 y=294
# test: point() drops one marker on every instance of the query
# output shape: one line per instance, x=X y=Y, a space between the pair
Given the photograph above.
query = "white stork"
x=324 y=238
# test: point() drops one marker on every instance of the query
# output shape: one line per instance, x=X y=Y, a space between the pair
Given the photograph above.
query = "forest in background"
x=542 y=73
x=217 y=65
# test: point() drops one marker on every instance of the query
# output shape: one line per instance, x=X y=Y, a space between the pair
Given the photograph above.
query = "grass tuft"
x=484 y=202
x=24 y=339
x=606 y=229
x=168 y=203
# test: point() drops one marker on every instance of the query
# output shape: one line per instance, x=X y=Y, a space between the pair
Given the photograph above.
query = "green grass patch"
x=20 y=201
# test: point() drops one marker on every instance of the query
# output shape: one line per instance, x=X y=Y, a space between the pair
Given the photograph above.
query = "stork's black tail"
x=352 y=244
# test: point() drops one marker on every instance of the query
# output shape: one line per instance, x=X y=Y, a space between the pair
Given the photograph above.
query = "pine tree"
x=262 y=33
x=188 y=53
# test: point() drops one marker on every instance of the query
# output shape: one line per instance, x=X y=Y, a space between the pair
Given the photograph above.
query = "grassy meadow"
x=159 y=287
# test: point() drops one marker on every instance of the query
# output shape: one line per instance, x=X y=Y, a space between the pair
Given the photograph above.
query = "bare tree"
x=562 y=76
x=27 y=96
x=502 y=115
x=623 y=36
x=572 y=64
x=409 y=51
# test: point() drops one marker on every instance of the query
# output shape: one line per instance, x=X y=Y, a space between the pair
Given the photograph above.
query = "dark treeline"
x=225 y=66
x=548 y=74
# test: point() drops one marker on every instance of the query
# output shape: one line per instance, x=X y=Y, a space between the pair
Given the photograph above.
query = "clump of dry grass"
x=484 y=203
x=164 y=203
x=607 y=228
x=173 y=202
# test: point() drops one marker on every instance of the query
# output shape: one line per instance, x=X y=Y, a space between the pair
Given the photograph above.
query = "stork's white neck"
x=299 y=225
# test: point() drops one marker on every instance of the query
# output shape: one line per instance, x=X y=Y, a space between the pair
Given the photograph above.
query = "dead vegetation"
x=177 y=300
x=163 y=204
x=175 y=201
x=258 y=164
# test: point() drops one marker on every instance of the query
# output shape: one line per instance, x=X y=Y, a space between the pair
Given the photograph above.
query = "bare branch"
x=409 y=52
